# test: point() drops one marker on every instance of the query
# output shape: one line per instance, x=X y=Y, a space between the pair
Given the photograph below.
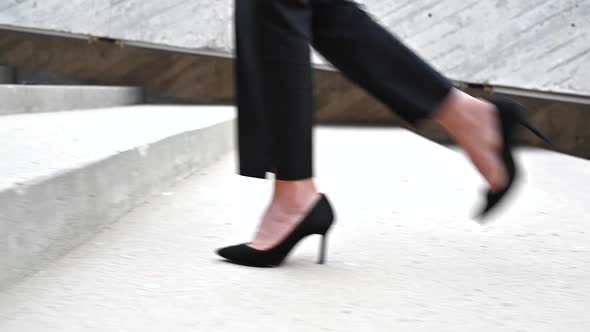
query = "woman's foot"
x=290 y=204
x=474 y=125
x=317 y=221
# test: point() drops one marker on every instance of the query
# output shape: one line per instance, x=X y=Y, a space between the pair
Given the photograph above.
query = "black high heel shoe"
x=318 y=221
x=513 y=117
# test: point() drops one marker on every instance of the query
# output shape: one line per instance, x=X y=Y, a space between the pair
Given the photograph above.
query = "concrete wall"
x=6 y=75
x=534 y=44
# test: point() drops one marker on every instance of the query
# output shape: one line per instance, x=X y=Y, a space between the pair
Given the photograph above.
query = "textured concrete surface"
x=532 y=44
x=404 y=256
x=6 y=74
x=50 y=98
x=67 y=174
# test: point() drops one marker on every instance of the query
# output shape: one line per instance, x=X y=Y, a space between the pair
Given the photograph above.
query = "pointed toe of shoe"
x=243 y=254
x=225 y=252
x=234 y=253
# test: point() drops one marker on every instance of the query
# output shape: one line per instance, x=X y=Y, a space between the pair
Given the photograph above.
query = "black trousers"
x=274 y=77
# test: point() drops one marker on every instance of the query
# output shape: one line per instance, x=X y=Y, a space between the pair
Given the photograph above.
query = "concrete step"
x=48 y=98
x=7 y=75
x=65 y=175
x=403 y=256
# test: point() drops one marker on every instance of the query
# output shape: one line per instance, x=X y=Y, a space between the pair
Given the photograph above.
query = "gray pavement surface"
x=404 y=255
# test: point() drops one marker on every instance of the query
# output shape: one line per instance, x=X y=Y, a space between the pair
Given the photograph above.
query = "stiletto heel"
x=318 y=221
x=323 y=245
x=525 y=123
x=512 y=117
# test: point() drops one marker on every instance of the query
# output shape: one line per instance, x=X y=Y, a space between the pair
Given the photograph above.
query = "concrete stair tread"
x=35 y=146
x=23 y=98
x=66 y=175
x=403 y=256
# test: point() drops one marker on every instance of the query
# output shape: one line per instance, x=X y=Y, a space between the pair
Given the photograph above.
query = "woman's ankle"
x=294 y=196
x=459 y=109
